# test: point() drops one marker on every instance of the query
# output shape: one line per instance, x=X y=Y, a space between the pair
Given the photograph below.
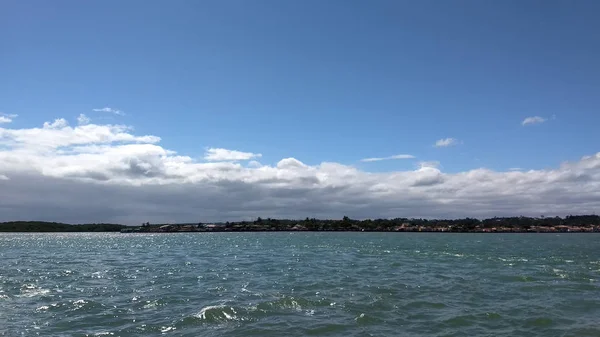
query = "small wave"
x=364 y=319
x=327 y=330
x=152 y=304
x=85 y=305
x=166 y=329
x=98 y=274
x=516 y=278
x=560 y=273
x=30 y=290
x=453 y=254
x=425 y=304
x=540 y=322
x=460 y=321
x=284 y=303
x=492 y=315
x=537 y=288
x=223 y=313
x=218 y=313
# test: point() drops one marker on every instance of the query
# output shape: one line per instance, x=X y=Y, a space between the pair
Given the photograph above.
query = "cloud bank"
x=106 y=173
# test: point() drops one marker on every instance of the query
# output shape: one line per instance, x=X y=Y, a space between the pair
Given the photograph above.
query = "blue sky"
x=319 y=81
x=322 y=80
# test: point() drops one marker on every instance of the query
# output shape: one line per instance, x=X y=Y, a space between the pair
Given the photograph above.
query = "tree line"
x=520 y=223
x=42 y=226
x=457 y=225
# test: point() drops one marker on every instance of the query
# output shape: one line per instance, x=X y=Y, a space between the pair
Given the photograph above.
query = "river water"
x=299 y=284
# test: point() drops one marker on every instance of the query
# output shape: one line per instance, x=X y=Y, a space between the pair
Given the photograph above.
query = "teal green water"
x=300 y=284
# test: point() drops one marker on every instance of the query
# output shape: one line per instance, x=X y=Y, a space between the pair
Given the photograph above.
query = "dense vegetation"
x=458 y=225
x=508 y=224
x=41 y=226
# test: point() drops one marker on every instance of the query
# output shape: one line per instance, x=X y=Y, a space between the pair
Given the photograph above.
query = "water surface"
x=300 y=284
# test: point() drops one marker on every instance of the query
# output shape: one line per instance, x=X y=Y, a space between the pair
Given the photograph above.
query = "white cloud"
x=83 y=119
x=110 y=110
x=397 y=156
x=58 y=134
x=97 y=173
x=7 y=118
x=445 y=142
x=433 y=164
x=59 y=123
x=254 y=163
x=533 y=120
x=216 y=154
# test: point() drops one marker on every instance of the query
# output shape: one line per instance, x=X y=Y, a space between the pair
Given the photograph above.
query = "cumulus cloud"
x=397 y=156
x=83 y=119
x=217 y=154
x=533 y=120
x=97 y=173
x=7 y=118
x=445 y=142
x=110 y=110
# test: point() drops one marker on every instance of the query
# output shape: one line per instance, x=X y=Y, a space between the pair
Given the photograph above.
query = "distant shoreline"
x=569 y=224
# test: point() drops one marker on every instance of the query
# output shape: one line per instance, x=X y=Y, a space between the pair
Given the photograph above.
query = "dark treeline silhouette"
x=41 y=226
x=571 y=223
x=579 y=223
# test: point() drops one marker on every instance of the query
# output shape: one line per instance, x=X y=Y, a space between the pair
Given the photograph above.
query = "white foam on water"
x=30 y=290
x=228 y=316
x=219 y=308
x=166 y=329
x=560 y=273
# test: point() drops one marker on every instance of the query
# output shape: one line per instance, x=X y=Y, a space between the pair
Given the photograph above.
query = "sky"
x=185 y=111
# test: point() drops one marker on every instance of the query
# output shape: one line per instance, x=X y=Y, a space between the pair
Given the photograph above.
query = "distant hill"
x=42 y=226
